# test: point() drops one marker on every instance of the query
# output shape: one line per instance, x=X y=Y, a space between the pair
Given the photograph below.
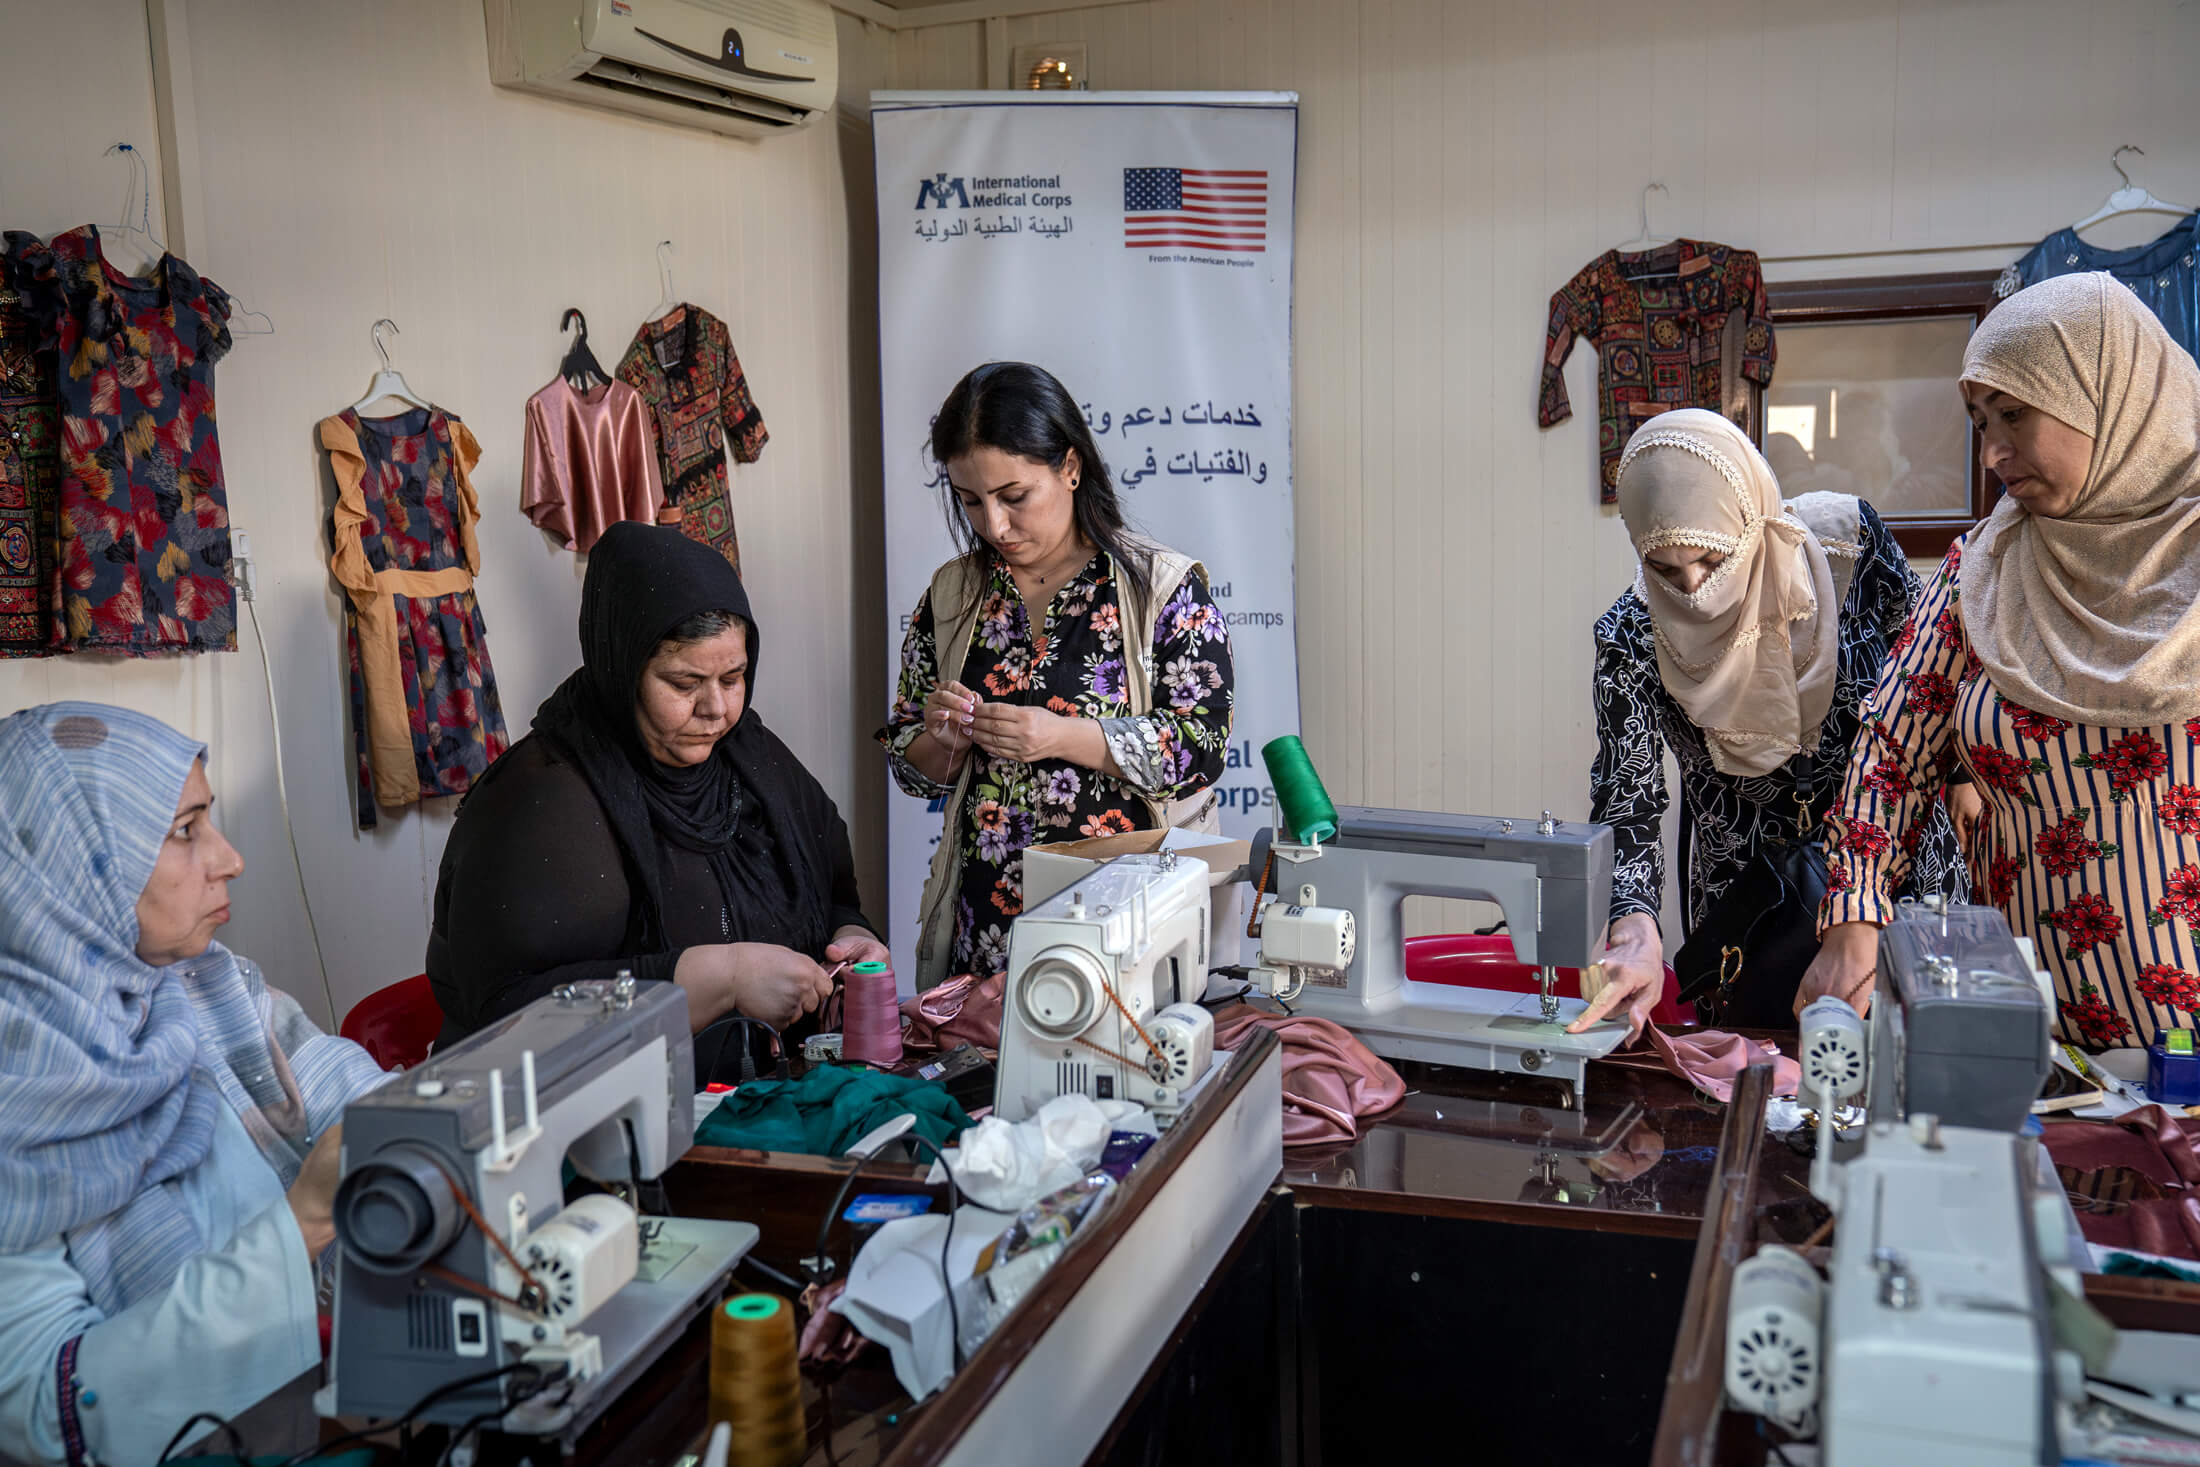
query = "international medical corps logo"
x=939 y=189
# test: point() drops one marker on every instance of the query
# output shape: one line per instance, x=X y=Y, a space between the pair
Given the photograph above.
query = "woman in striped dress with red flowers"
x=2056 y=655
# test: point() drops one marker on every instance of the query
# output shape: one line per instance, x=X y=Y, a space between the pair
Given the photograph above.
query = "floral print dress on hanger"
x=143 y=518
x=425 y=715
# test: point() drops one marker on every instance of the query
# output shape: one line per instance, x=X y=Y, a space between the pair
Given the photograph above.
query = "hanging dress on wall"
x=589 y=463
x=143 y=515
x=425 y=716
x=684 y=367
x=30 y=487
x=1684 y=325
x=2164 y=273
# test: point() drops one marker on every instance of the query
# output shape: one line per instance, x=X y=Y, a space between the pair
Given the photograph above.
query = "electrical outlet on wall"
x=240 y=563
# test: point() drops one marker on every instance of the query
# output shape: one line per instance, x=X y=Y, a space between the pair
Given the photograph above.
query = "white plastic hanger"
x=137 y=239
x=1646 y=240
x=387 y=383
x=666 y=300
x=2130 y=199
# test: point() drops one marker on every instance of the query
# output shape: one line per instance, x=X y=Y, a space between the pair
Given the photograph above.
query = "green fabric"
x=2146 y=1268
x=828 y=1110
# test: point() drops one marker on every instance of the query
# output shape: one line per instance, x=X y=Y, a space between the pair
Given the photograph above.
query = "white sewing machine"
x=1333 y=942
x=1102 y=997
x=1931 y=1340
x=473 y=1143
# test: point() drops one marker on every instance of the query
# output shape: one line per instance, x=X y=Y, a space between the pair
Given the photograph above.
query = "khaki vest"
x=955 y=593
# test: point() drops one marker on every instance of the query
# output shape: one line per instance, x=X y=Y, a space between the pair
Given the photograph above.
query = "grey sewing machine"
x=1552 y=878
x=458 y=1255
x=1960 y=1028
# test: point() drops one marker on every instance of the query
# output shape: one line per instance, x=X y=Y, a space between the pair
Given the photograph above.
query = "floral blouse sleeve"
x=905 y=721
x=1627 y=781
x=1182 y=745
x=1899 y=761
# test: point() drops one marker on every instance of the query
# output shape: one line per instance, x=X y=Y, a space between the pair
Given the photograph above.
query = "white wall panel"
x=355 y=163
x=1461 y=159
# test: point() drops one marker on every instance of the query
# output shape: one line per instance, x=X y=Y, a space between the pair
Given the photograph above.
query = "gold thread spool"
x=756 y=1383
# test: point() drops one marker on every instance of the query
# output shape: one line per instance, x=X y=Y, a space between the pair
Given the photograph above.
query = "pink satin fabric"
x=2156 y=1207
x=1331 y=1081
x=1712 y=1060
x=590 y=462
x=963 y=1010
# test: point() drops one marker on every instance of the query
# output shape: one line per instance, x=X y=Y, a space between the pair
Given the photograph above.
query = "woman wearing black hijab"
x=651 y=822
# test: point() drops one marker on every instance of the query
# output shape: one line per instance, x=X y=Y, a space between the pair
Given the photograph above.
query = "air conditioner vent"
x=744 y=68
x=635 y=81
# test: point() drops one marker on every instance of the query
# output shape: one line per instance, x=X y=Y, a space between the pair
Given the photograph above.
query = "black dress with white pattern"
x=1725 y=819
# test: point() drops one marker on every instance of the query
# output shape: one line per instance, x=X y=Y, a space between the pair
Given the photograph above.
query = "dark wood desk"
x=1640 y=1156
x=1481 y=1265
x=872 y=1419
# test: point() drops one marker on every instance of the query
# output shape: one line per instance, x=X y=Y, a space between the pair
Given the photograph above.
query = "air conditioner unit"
x=746 y=68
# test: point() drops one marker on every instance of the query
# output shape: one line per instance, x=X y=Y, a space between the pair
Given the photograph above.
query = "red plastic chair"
x=396 y=1024
x=1465 y=960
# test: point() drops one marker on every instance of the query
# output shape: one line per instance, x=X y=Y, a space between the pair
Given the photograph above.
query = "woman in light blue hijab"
x=168 y=1122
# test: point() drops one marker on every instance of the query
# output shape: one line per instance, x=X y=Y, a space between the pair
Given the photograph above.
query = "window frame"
x=1885 y=299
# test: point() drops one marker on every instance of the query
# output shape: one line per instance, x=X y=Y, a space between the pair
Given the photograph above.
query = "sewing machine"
x=452 y=1186
x=1552 y=878
x=1931 y=1341
x=1960 y=1022
x=1097 y=970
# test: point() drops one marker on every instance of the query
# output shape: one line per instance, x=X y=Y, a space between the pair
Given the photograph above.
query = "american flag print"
x=1196 y=208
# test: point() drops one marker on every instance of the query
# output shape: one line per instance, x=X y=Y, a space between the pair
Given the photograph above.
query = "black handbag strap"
x=1806 y=819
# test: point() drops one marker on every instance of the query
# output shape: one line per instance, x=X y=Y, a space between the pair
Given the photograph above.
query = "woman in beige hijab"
x=1752 y=632
x=2057 y=655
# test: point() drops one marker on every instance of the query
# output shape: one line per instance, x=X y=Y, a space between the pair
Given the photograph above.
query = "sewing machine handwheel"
x=1059 y=994
x=394 y=1212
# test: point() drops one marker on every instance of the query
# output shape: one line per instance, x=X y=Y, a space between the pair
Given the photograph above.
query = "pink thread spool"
x=873 y=1022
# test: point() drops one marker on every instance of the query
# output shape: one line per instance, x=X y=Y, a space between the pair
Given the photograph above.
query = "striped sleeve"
x=1900 y=758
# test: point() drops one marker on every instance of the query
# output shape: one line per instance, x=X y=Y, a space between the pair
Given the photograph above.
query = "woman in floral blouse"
x=2057 y=655
x=1060 y=679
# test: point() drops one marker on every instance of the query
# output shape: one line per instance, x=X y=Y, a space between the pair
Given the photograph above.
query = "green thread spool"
x=1308 y=814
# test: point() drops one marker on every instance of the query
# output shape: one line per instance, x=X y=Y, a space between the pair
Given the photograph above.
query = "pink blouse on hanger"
x=590 y=462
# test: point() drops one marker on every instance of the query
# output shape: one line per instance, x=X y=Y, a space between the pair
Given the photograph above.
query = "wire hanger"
x=388 y=382
x=580 y=369
x=1646 y=240
x=154 y=248
x=666 y=300
x=138 y=199
x=2130 y=199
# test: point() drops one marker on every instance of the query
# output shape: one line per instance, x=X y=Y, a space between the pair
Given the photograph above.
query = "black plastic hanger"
x=580 y=369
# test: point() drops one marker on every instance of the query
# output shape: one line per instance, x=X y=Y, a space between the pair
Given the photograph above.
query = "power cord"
x=229 y=1430
x=240 y=576
x=474 y=1423
x=448 y=1388
x=819 y=1264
